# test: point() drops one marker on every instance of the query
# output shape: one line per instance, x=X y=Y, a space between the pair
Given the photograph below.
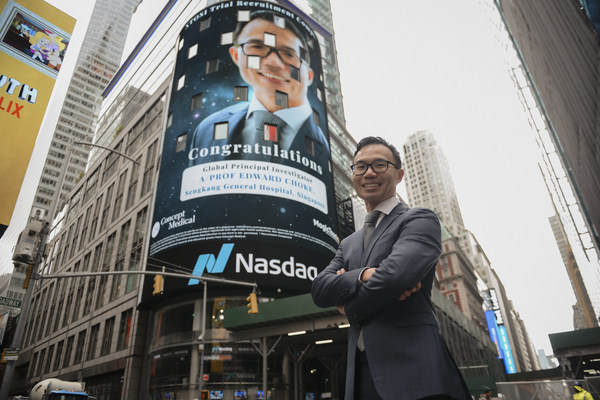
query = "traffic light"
x=28 y=276
x=159 y=285
x=252 y=303
x=204 y=394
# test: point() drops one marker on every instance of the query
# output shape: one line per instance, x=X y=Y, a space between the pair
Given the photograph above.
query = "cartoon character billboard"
x=245 y=185
x=34 y=37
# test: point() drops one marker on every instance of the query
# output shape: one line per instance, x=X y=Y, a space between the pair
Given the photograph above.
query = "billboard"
x=498 y=333
x=34 y=37
x=245 y=187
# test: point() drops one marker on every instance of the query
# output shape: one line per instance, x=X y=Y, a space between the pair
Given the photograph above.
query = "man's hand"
x=367 y=274
x=409 y=292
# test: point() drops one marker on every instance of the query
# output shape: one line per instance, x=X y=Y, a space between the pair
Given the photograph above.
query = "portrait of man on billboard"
x=271 y=55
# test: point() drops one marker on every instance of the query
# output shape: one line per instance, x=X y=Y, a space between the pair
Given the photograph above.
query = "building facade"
x=98 y=61
x=558 y=85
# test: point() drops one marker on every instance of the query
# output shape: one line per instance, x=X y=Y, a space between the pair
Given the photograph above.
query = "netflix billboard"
x=245 y=189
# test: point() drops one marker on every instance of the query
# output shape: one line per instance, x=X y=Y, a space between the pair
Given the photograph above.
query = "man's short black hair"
x=270 y=16
x=379 y=140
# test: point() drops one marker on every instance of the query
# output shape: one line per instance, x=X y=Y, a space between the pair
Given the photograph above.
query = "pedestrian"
x=580 y=392
x=383 y=285
x=486 y=393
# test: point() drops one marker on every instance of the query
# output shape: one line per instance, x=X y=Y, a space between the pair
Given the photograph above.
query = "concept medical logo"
x=210 y=264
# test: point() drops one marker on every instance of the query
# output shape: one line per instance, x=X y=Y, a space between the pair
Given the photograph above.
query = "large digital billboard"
x=34 y=37
x=245 y=187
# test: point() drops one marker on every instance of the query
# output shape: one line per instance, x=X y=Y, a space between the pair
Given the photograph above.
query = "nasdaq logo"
x=208 y=263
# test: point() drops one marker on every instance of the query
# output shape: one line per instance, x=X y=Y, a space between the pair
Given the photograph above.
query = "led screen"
x=245 y=188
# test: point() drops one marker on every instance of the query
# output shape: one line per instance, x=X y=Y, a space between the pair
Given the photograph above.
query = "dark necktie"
x=269 y=127
x=368 y=228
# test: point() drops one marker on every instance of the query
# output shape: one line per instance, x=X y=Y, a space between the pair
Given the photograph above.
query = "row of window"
x=83 y=346
x=69 y=299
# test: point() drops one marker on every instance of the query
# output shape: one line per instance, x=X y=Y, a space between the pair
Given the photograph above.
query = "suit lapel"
x=381 y=228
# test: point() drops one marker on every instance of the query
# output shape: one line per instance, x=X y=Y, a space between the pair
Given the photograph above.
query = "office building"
x=124 y=342
x=463 y=263
x=555 y=69
x=429 y=181
x=96 y=64
x=583 y=312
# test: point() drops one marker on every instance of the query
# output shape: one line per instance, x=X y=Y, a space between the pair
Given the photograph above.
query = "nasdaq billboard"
x=245 y=188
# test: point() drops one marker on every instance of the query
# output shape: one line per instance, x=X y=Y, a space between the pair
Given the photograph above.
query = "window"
x=49 y=359
x=68 y=303
x=95 y=216
x=192 y=51
x=132 y=191
x=89 y=296
x=69 y=350
x=149 y=168
x=316 y=118
x=110 y=245
x=107 y=203
x=33 y=364
x=93 y=343
x=204 y=24
x=309 y=145
x=196 y=102
x=124 y=329
x=181 y=82
x=79 y=348
x=240 y=93
x=212 y=65
x=58 y=359
x=181 y=143
x=221 y=130
x=281 y=99
x=109 y=327
x=101 y=293
x=226 y=38
x=41 y=362
x=119 y=195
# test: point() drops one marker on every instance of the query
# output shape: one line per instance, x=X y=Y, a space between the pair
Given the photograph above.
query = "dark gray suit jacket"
x=407 y=356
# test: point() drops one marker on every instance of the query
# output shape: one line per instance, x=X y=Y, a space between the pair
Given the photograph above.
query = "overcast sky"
x=432 y=65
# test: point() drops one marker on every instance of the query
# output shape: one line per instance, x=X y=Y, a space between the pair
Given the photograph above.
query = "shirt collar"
x=388 y=205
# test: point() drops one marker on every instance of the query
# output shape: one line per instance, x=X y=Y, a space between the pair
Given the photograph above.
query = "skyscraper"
x=429 y=184
x=429 y=181
x=98 y=61
x=583 y=312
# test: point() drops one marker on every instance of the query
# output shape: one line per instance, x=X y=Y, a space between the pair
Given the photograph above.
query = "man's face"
x=273 y=73
x=375 y=187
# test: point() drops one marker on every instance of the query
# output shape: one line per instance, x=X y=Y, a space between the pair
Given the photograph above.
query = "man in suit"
x=395 y=350
x=272 y=57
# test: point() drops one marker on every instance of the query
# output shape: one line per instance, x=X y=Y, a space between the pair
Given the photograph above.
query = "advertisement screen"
x=34 y=38
x=245 y=189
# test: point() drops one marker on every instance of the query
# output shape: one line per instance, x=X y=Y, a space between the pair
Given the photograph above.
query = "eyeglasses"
x=261 y=50
x=361 y=168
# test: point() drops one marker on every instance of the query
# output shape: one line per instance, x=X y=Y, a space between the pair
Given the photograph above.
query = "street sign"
x=11 y=355
x=8 y=302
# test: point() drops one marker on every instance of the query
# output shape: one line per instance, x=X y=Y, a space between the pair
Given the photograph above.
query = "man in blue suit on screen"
x=273 y=58
x=381 y=279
